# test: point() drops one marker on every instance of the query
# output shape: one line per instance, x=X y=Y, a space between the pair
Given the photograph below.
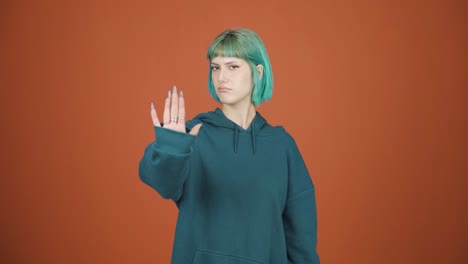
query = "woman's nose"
x=221 y=76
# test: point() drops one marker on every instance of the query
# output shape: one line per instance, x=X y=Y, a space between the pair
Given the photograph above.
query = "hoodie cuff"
x=172 y=141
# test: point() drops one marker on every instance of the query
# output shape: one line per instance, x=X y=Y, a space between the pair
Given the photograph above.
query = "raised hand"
x=174 y=113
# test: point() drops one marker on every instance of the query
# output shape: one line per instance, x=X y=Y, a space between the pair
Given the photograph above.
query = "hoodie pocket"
x=211 y=257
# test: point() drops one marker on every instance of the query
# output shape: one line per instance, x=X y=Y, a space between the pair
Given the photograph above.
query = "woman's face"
x=232 y=80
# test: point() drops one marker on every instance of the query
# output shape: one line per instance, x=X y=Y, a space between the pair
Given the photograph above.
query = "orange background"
x=374 y=92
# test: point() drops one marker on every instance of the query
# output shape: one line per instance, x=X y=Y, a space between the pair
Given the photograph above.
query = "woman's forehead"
x=226 y=60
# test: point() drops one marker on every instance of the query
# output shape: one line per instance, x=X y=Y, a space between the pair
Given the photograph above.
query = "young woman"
x=241 y=186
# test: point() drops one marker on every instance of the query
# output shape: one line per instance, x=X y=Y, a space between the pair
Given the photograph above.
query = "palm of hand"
x=174 y=114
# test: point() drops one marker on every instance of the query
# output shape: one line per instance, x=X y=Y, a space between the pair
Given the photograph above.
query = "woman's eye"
x=234 y=67
x=214 y=68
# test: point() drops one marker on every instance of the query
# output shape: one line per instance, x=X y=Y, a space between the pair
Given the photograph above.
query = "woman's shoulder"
x=277 y=133
x=200 y=118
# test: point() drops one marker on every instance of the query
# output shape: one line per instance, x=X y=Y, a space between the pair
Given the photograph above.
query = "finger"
x=175 y=104
x=181 y=115
x=166 y=115
x=154 y=116
x=195 y=129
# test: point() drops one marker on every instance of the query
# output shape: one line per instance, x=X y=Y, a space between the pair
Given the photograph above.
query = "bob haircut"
x=247 y=45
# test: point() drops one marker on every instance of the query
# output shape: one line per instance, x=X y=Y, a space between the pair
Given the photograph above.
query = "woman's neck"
x=241 y=115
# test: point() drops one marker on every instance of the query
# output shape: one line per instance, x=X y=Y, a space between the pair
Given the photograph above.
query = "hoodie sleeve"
x=300 y=212
x=165 y=162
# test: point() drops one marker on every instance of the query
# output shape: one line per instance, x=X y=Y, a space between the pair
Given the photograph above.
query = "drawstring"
x=253 y=137
x=235 y=139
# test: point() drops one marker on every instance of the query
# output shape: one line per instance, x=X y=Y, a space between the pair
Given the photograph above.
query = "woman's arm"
x=165 y=162
x=300 y=212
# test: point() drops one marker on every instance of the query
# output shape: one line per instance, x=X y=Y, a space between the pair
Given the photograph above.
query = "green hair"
x=247 y=45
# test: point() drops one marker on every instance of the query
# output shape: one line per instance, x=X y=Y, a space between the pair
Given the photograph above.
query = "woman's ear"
x=260 y=71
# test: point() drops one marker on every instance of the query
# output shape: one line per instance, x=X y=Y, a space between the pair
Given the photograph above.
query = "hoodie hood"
x=218 y=119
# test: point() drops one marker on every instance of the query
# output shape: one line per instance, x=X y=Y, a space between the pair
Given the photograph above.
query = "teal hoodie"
x=244 y=195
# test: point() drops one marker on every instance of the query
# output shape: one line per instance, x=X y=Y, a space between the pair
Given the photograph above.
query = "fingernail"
x=174 y=90
x=152 y=106
x=181 y=94
x=168 y=94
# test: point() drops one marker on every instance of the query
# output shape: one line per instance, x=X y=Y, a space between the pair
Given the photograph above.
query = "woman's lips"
x=223 y=89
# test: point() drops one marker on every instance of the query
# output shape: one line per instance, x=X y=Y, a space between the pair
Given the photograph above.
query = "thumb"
x=195 y=129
